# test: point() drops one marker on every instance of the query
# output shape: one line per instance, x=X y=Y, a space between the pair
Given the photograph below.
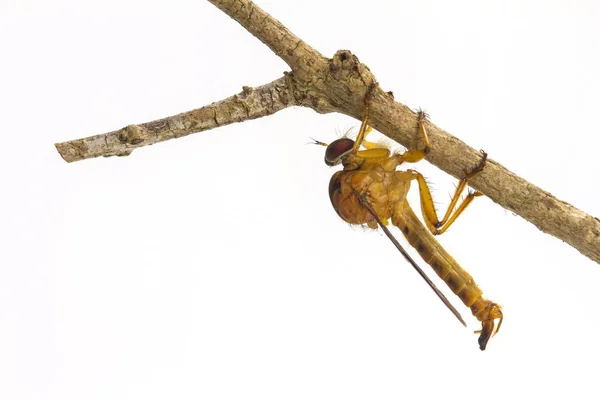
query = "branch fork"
x=339 y=85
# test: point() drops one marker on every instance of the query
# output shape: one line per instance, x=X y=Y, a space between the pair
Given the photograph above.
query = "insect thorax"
x=383 y=190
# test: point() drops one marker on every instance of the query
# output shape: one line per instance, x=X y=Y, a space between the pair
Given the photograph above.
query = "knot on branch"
x=348 y=80
x=132 y=134
x=345 y=65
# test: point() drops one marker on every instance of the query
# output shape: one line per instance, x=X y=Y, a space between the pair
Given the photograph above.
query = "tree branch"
x=249 y=104
x=301 y=58
x=339 y=85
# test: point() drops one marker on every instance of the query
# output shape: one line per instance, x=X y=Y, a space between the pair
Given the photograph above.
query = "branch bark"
x=339 y=85
x=249 y=104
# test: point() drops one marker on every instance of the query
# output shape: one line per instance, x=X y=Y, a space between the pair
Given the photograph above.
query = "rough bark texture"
x=249 y=104
x=339 y=85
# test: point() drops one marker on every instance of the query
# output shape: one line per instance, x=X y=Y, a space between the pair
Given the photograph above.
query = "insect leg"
x=413 y=156
x=364 y=128
x=429 y=212
x=361 y=132
x=366 y=144
x=436 y=226
x=432 y=221
x=451 y=214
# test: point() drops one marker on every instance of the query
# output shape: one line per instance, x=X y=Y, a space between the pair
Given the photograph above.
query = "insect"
x=371 y=191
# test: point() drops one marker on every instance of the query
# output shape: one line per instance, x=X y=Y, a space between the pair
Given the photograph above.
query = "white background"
x=214 y=267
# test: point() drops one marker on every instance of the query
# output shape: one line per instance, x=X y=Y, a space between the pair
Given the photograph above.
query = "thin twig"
x=251 y=103
x=339 y=85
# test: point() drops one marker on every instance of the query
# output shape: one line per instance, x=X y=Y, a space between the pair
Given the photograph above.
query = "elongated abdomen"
x=458 y=280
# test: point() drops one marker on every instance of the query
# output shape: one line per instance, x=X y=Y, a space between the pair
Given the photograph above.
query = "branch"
x=339 y=85
x=249 y=104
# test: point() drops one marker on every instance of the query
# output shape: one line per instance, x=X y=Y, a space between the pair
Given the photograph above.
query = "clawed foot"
x=479 y=166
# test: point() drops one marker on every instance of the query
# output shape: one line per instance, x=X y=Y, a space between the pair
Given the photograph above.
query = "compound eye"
x=337 y=150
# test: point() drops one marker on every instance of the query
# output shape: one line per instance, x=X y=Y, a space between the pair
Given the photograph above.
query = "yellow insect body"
x=370 y=184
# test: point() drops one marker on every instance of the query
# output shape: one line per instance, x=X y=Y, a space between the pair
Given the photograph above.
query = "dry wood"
x=339 y=85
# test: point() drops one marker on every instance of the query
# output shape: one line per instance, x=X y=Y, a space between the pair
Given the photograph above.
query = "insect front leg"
x=364 y=126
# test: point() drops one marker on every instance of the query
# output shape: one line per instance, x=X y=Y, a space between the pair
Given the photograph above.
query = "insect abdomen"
x=458 y=280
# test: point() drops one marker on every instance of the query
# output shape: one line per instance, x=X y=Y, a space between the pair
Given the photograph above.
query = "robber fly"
x=371 y=191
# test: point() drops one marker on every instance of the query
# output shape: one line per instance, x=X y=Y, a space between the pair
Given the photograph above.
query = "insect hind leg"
x=452 y=213
x=430 y=216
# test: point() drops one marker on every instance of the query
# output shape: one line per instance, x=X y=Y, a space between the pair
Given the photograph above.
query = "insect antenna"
x=317 y=142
